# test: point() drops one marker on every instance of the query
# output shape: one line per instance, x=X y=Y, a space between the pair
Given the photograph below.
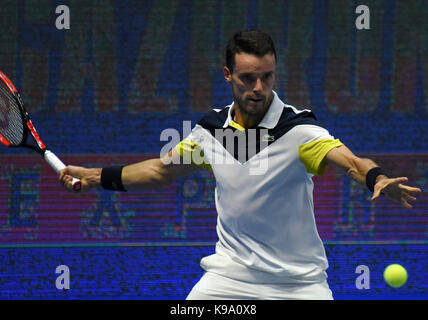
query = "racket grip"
x=58 y=165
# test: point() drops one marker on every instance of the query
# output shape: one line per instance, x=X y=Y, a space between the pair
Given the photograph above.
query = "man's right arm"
x=148 y=174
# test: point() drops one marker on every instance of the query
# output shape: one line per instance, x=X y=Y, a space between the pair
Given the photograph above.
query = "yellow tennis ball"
x=395 y=275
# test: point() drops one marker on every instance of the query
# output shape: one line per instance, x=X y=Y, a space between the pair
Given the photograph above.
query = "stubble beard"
x=244 y=107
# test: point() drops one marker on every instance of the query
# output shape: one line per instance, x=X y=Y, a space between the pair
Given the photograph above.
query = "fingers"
x=67 y=182
x=406 y=204
x=396 y=191
x=403 y=186
x=410 y=189
x=376 y=194
x=382 y=184
x=405 y=198
x=62 y=173
x=378 y=190
x=408 y=196
x=400 y=179
x=67 y=174
x=72 y=171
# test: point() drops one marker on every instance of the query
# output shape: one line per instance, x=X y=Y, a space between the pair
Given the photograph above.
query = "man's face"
x=252 y=81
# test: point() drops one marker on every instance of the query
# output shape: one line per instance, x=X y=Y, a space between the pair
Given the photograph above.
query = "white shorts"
x=213 y=286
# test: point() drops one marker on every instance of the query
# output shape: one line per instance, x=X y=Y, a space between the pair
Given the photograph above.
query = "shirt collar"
x=271 y=118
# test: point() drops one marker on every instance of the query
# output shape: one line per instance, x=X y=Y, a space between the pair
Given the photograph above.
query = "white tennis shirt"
x=264 y=193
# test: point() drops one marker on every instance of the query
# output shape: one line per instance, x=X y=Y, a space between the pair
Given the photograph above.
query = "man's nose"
x=258 y=86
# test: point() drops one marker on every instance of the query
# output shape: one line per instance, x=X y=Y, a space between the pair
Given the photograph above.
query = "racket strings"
x=11 y=126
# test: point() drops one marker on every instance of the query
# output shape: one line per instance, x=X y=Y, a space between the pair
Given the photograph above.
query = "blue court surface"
x=165 y=273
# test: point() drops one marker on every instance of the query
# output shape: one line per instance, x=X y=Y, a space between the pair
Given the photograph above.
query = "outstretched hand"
x=89 y=178
x=395 y=190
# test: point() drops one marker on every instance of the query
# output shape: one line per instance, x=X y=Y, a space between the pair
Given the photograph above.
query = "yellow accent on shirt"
x=312 y=154
x=236 y=125
x=192 y=153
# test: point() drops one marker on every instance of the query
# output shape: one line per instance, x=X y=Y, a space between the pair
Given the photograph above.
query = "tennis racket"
x=16 y=125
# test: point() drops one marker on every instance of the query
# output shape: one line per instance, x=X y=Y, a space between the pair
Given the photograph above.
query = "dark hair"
x=254 y=42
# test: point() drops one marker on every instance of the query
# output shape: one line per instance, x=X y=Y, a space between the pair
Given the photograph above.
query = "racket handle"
x=58 y=165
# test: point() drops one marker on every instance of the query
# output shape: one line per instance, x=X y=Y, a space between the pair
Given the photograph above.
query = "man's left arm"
x=367 y=172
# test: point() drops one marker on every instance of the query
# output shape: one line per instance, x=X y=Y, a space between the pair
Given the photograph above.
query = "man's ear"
x=227 y=74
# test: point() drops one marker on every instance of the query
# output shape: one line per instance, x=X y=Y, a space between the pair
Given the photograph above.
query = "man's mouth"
x=256 y=99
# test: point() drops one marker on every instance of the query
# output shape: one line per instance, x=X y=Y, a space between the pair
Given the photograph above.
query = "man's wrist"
x=94 y=178
x=373 y=176
x=111 y=178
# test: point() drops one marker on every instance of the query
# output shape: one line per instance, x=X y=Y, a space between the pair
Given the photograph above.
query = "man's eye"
x=247 y=78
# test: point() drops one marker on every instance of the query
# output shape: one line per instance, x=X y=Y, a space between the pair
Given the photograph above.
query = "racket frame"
x=28 y=127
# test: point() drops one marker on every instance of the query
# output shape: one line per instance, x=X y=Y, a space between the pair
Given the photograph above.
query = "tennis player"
x=268 y=246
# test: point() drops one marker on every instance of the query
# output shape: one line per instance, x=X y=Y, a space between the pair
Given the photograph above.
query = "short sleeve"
x=191 y=150
x=314 y=145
